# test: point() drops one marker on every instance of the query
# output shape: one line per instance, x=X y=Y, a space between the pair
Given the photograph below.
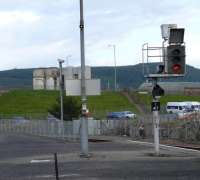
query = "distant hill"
x=127 y=77
x=16 y=78
x=132 y=76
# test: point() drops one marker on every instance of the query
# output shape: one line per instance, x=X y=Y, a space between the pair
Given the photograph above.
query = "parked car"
x=115 y=115
x=120 y=115
x=18 y=120
x=128 y=114
x=52 y=118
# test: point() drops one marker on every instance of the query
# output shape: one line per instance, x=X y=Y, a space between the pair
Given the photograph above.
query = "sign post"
x=157 y=92
x=156 y=120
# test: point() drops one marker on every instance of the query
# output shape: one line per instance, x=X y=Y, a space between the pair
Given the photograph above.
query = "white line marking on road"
x=141 y=142
x=69 y=175
x=164 y=146
x=61 y=176
x=180 y=148
x=40 y=161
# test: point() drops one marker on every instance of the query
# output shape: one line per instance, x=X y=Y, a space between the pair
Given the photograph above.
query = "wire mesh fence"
x=186 y=128
x=46 y=128
x=171 y=127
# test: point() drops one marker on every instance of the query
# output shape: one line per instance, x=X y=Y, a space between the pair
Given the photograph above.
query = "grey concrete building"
x=48 y=79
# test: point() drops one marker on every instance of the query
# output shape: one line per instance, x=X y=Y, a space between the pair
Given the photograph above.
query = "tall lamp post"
x=84 y=123
x=67 y=59
x=115 y=64
x=60 y=61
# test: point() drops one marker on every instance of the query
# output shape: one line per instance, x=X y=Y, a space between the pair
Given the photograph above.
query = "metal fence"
x=170 y=128
x=38 y=128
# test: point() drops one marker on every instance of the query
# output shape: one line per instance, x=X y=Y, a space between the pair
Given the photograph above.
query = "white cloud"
x=13 y=17
x=38 y=32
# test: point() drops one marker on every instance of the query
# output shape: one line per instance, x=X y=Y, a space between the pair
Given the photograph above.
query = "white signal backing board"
x=73 y=87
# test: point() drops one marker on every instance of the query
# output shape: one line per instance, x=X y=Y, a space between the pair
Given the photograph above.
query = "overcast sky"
x=34 y=33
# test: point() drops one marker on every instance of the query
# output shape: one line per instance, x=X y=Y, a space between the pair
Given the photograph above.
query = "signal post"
x=157 y=92
x=172 y=64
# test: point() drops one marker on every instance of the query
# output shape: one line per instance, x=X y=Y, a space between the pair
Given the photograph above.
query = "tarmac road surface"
x=31 y=158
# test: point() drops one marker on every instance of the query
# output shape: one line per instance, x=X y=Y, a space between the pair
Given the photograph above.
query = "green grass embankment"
x=35 y=104
x=27 y=103
x=146 y=99
x=168 y=98
x=178 y=98
x=109 y=101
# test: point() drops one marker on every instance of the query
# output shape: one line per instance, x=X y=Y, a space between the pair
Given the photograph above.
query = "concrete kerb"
x=167 y=147
x=165 y=150
x=124 y=139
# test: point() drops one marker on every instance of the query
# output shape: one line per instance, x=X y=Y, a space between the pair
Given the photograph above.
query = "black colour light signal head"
x=176 y=59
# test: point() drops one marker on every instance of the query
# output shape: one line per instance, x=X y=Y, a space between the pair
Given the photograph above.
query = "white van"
x=193 y=105
x=176 y=107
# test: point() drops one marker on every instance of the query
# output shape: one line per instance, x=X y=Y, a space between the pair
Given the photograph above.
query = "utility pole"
x=84 y=123
x=60 y=61
x=115 y=65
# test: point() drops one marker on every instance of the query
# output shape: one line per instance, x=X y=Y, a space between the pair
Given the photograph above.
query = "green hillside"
x=127 y=77
x=16 y=78
x=35 y=104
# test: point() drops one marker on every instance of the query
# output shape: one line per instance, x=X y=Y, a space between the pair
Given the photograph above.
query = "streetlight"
x=84 y=124
x=67 y=59
x=114 y=56
x=60 y=61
